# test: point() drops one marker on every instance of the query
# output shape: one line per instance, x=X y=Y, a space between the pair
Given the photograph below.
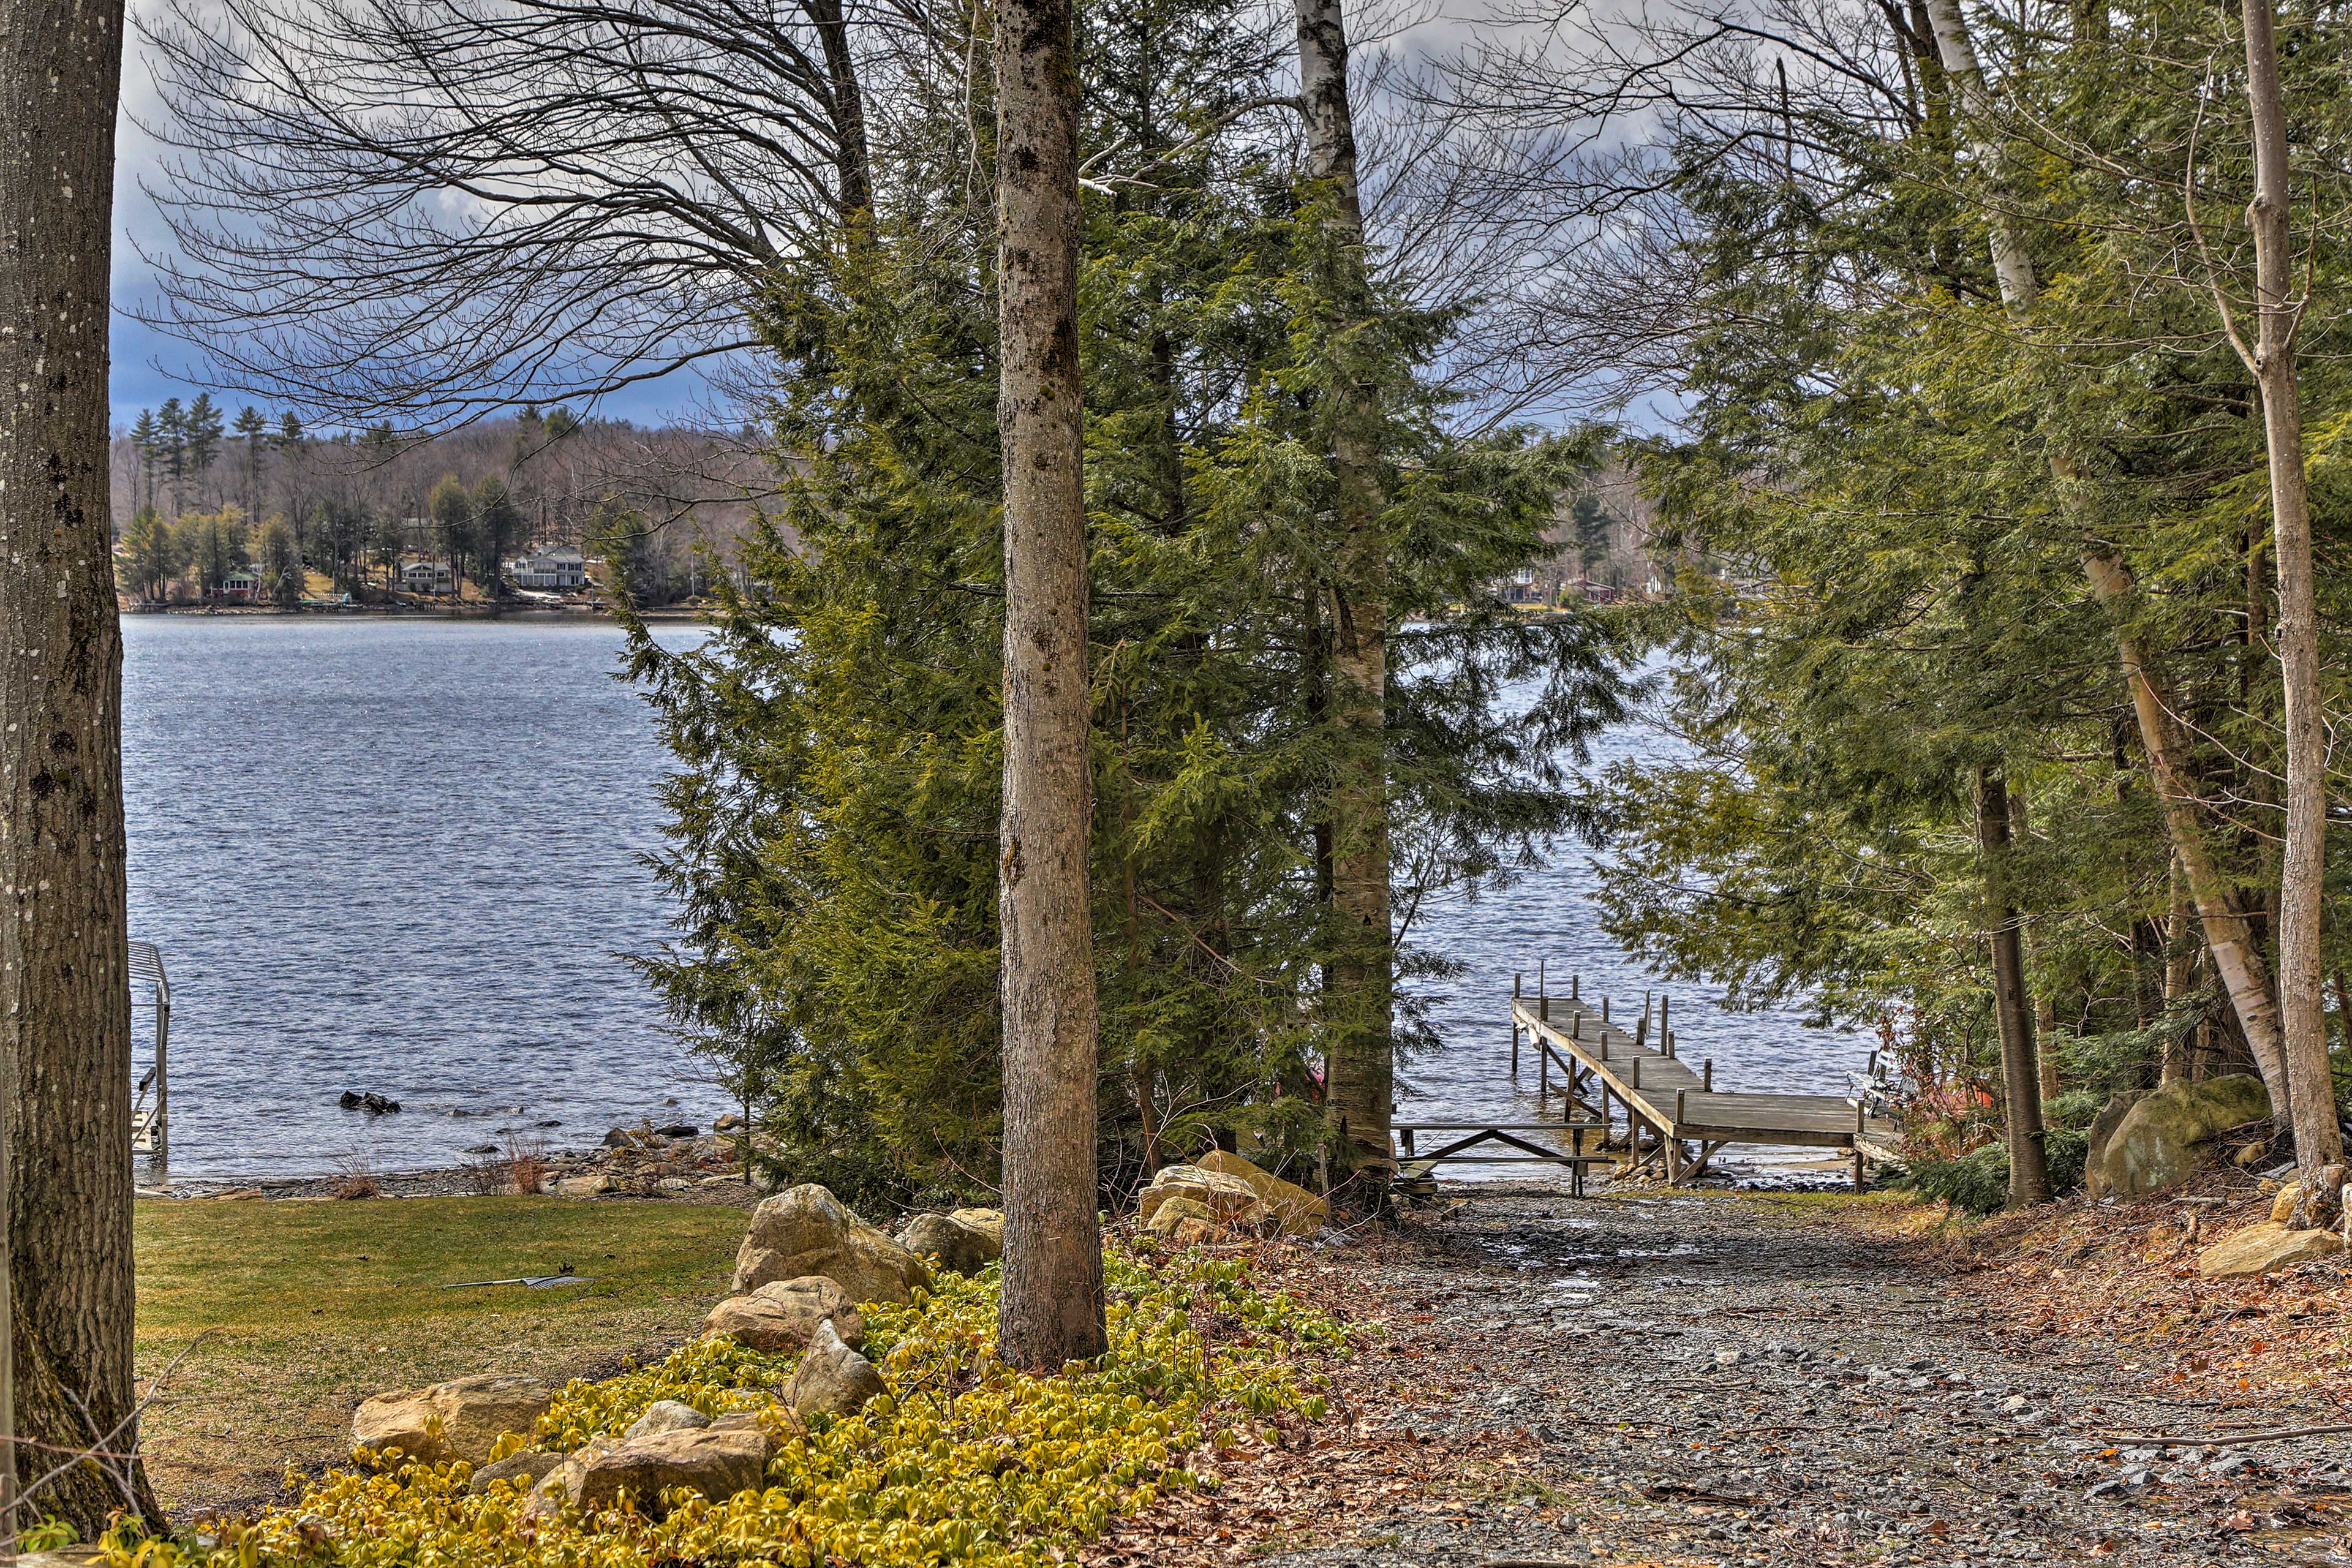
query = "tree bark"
x=2245 y=976
x=2318 y=1138
x=64 y=998
x=1052 y=1307
x=2020 y=1076
x=1361 y=1047
x=854 y=179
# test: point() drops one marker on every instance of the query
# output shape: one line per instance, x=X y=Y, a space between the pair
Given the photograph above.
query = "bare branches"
x=426 y=211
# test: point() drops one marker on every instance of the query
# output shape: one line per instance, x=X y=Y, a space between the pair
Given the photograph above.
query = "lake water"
x=400 y=856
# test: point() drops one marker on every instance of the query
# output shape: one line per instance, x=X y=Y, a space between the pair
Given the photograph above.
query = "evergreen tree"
x=451 y=508
x=149 y=552
x=498 y=528
x=200 y=433
x=250 y=425
x=834 y=820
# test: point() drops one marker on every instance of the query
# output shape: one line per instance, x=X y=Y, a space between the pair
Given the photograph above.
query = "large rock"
x=2264 y=1248
x=782 y=1316
x=524 y=1471
x=988 y=1222
x=1297 y=1211
x=806 y=1230
x=2155 y=1145
x=667 y=1416
x=832 y=1379
x=957 y=1248
x=1229 y=1199
x=2102 y=1126
x=1170 y=1213
x=462 y=1419
x=718 y=1462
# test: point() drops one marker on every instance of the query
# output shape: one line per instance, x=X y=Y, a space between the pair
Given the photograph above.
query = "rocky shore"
x=674 y=1162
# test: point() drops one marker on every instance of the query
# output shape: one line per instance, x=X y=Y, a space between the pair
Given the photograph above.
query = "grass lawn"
x=305 y=1309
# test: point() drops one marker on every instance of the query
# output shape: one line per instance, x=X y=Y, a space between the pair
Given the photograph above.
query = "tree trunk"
x=2180 y=957
x=65 y=996
x=1052 y=1307
x=2029 y=1164
x=2319 y=1139
x=2243 y=975
x=1361 y=1055
x=854 y=181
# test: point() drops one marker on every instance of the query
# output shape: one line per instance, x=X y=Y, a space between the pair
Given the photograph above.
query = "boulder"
x=2264 y=1248
x=523 y=1471
x=597 y=1183
x=1228 y=1199
x=958 y=1249
x=988 y=1222
x=462 y=1419
x=718 y=1463
x=1170 y=1213
x=783 y=1315
x=2282 y=1202
x=667 y=1416
x=1191 y=1232
x=727 y=1124
x=832 y=1379
x=2155 y=1143
x=2102 y=1126
x=806 y=1230
x=1297 y=1211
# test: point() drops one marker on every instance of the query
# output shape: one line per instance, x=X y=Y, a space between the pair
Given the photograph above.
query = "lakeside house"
x=241 y=584
x=561 y=567
x=428 y=577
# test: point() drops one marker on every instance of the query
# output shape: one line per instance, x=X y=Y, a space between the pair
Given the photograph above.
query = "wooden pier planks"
x=1659 y=1091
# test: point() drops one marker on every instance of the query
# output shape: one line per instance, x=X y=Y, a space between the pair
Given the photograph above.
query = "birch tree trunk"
x=1361 y=1078
x=65 y=996
x=1052 y=1307
x=2318 y=1137
x=2020 y=1077
x=2236 y=959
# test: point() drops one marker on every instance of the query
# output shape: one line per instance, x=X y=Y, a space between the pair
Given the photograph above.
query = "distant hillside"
x=566 y=477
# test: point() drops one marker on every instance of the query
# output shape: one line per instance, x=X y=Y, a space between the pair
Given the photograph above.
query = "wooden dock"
x=1675 y=1121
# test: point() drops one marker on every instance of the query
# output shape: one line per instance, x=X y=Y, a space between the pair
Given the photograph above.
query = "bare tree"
x=1052 y=1307
x=2318 y=1136
x=65 y=1007
x=422 y=212
x=2029 y=1161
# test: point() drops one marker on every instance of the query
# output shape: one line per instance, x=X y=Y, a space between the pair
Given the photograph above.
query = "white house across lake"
x=561 y=567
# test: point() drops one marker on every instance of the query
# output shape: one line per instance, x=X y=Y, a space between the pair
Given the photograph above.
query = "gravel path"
x=1731 y=1381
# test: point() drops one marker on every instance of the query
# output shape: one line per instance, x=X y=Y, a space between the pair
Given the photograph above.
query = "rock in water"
x=2264 y=1248
x=783 y=1315
x=806 y=1230
x=960 y=1248
x=1299 y=1212
x=675 y=1129
x=832 y=1379
x=522 y=1470
x=2155 y=1145
x=667 y=1416
x=472 y=1412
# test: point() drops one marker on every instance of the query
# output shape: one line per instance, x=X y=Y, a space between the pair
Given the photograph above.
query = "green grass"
x=305 y=1309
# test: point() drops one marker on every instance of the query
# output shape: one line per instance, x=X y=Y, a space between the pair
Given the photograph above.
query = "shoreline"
x=700 y=1168
x=670 y=614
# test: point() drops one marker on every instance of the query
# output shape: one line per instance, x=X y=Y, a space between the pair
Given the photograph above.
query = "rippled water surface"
x=400 y=856
x=396 y=855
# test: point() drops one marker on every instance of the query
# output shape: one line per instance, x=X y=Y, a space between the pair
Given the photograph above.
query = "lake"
x=400 y=856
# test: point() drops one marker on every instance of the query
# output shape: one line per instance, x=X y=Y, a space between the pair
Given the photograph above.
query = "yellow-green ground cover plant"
x=964 y=1461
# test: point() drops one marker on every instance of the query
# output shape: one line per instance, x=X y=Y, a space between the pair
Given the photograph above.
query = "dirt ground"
x=1745 y=1380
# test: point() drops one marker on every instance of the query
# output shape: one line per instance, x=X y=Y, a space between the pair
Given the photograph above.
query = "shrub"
x=1978 y=1180
x=965 y=1462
